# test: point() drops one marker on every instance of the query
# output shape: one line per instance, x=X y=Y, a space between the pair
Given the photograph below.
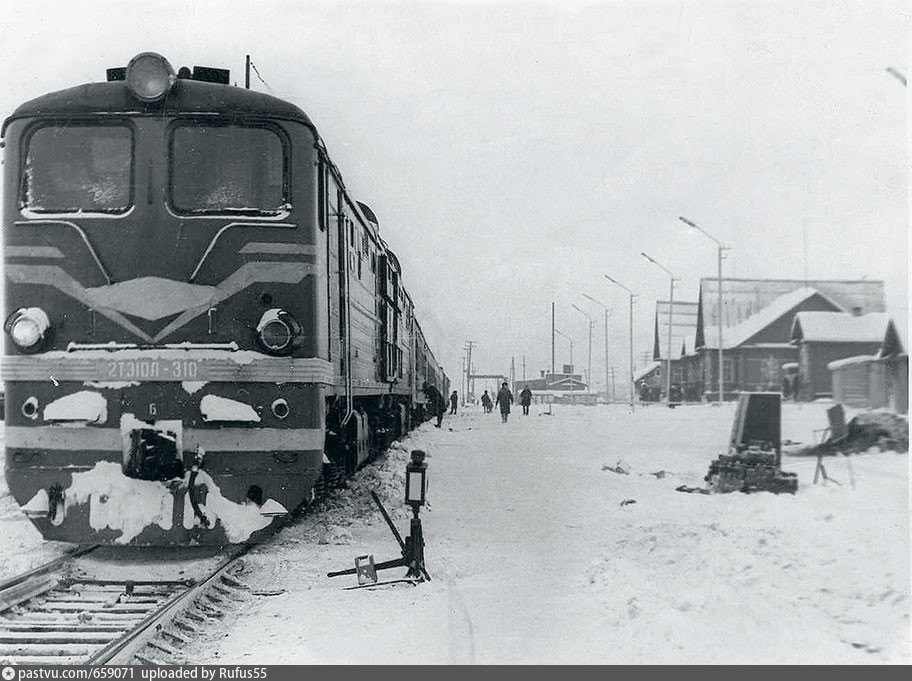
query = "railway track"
x=84 y=610
x=70 y=612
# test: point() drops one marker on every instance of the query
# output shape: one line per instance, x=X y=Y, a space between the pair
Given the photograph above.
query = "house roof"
x=683 y=329
x=838 y=327
x=568 y=380
x=734 y=336
x=743 y=298
x=645 y=371
x=849 y=361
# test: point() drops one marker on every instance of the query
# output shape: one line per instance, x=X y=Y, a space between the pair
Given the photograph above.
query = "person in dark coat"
x=525 y=399
x=486 y=403
x=504 y=399
x=436 y=403
x=454 y=399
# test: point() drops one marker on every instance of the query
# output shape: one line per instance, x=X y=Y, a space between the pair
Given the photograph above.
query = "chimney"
x=856 y=311
x=542 y=373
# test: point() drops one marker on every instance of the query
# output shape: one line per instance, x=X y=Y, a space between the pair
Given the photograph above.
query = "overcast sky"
x=516 y=152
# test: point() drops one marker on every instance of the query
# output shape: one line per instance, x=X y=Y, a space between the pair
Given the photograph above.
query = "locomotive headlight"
x=150 y=76
x=28 y=326
x=277 y=330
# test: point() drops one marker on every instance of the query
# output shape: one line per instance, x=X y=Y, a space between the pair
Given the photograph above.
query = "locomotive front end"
x=162 y=367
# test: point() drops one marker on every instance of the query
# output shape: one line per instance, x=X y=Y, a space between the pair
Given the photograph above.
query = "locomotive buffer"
x=413 y=546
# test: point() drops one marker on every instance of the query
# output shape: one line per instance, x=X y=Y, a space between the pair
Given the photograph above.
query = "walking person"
x=454 y=399
x=525 y=399
x=486 y=403
x=504 y=399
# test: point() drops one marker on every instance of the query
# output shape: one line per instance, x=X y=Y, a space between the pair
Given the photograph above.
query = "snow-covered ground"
x=541 y=554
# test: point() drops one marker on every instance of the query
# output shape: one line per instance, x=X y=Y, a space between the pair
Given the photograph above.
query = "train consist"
x=201 y=321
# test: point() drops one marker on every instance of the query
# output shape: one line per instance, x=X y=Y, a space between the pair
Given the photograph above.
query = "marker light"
x=277 y=329
x=28 y=326
x=150 y=76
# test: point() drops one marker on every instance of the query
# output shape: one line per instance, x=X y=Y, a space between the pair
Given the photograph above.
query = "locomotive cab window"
x=76 y=168
x=234 y=169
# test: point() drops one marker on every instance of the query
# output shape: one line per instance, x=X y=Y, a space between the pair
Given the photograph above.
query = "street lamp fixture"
x=632 y=296
x=721 y=248
x=605 y=307
x=671 y=303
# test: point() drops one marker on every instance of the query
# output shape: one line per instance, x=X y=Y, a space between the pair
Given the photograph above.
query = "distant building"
x=649 y=382
x=684 y=359
x=562 y=382
x=757 y=317
x=824 y=338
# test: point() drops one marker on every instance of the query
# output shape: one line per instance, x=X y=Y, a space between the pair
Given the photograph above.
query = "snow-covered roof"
x=683 y=329
x=736 y=335
x=645 y=371
x=743 y=298
x=562 y=392
x=568 y=380
x=839 y=327
x=848 y=361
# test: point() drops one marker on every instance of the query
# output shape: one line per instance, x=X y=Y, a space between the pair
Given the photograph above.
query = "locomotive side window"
x=227 y=169
x=78 y=168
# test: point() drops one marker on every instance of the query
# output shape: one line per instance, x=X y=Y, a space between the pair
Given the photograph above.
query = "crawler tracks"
x=59 y=615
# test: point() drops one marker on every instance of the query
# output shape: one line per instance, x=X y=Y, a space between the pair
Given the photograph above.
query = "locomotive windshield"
x=78 y=168
x=227 y=169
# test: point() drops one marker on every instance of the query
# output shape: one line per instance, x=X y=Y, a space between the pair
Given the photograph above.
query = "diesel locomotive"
x=201 y=322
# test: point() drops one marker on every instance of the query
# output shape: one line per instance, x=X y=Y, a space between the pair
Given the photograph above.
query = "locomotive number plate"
x=152 y=369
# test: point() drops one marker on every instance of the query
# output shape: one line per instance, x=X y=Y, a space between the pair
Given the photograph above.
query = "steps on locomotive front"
x=72 y=621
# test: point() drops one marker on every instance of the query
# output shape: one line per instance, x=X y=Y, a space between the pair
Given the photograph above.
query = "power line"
x=257 y=72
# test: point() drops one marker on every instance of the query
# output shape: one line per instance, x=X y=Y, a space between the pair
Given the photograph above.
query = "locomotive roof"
x=186 y=97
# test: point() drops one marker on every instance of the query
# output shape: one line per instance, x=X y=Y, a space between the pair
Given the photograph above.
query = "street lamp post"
x=632 y=295
x=721 y=248
x=671 y=304
x=606 y=343
x=561 y=333
x=591 y=324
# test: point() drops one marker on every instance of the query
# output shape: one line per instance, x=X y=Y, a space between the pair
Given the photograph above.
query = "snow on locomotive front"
x=163 y=370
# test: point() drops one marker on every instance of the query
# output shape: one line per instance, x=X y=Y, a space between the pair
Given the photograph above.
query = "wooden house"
x=682 y=317
x=757 y=317
x=825 y=338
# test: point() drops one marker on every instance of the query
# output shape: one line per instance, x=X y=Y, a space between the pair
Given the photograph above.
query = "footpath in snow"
x=561 y=539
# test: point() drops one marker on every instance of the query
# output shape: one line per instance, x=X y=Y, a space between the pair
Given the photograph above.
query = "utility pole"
x=524 y=368
x=561 y=333
x=468 y=348
x=607 y=398
x=589 y=369
x=671 y=305
x=632 y=296
x=247 y=73
x=512 y=373
x=552 y=339
x=721 y=248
